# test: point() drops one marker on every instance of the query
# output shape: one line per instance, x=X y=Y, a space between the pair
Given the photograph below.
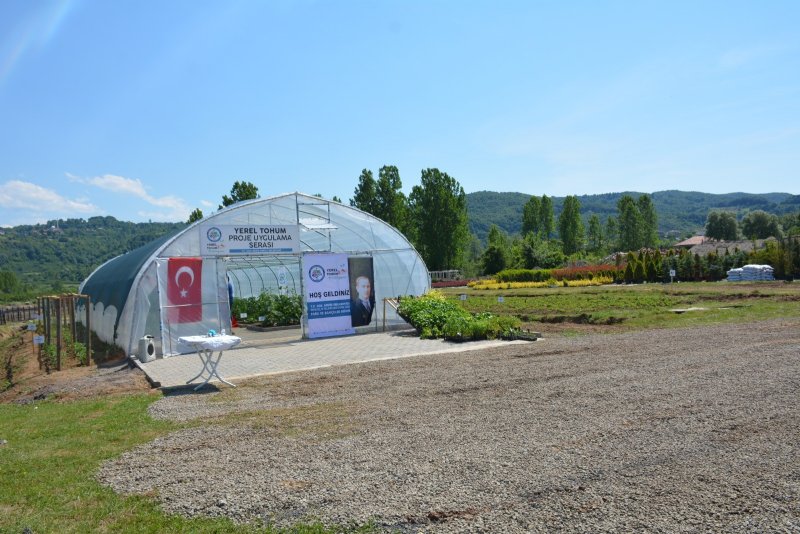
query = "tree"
x=390 y=202
x=595 y=234
x=630 y=224
x=546 y=219
x=8 y=282
x=365 y=194
x=570 y=225
x=336 y=199
x=239 y=192
x=649 y=221
x=472 y=263
x=196 y=215
x=612 y=230
x=722 y=225
x=531 y=221
x=495 y=258
x=438 y=209
x=539 y=253
x=759 y=224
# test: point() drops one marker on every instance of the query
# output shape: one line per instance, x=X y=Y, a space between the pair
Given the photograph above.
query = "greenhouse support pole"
x=303 y=316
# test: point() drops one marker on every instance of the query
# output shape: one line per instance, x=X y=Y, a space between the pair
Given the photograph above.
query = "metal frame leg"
x=210 y=364
x=204 y=359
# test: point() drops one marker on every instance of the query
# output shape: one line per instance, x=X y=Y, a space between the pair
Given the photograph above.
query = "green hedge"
x=523 y=275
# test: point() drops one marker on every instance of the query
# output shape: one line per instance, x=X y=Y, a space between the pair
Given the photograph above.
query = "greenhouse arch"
x=256 y=246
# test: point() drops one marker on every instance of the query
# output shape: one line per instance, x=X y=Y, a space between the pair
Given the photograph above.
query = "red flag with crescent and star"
x=184 y=290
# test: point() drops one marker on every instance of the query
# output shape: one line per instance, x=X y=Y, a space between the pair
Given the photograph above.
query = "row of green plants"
x=276 y=309
x=577 y=272
x=70 y=349
x=436 y=317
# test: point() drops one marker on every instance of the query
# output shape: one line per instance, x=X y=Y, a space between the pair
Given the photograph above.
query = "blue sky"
x=145 y=110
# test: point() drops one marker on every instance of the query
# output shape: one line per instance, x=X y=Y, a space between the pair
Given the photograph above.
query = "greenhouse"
x=343 y=262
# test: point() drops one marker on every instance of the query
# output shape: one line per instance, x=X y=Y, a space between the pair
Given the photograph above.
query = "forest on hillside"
x=680 y=213
x=60 y=254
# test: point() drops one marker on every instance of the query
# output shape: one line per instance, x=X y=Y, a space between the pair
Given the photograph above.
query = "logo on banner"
x=184 y=290
x=214 y=234
x=316 y=273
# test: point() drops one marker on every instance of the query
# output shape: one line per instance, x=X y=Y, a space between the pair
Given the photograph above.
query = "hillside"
x=68 y=251
x=679 y=212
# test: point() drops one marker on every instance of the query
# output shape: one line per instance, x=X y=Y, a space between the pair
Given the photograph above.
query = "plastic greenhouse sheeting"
x=129 y=293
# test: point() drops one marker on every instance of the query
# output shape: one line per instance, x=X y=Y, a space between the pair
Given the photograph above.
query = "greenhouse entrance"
x=265 y=298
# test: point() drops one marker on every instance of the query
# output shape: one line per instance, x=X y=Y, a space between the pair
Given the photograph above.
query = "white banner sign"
x=235 y=240
x=327 y=295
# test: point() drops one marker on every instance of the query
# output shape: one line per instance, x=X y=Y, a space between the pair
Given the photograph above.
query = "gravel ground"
x=685 y=430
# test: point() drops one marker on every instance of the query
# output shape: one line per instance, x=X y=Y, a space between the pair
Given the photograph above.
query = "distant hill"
x=679 y=212
x=68 y=251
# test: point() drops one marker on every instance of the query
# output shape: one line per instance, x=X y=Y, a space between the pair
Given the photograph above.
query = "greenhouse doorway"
x=265 y=297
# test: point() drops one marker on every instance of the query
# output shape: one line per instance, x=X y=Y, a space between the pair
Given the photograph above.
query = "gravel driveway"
x=687 y=430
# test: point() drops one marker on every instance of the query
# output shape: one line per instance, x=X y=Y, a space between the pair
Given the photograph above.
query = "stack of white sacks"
x=751 y=273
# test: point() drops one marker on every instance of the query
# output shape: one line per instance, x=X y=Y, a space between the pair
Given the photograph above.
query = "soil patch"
x=29 y=383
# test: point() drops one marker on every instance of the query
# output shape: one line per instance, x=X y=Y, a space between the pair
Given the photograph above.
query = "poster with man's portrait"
x=362 y=290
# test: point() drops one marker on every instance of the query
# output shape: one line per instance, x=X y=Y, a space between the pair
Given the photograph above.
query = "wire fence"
x=17 y=314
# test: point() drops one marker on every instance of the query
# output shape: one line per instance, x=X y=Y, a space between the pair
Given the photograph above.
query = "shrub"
x=523 y=275
x=492 y=284
x=434 y=316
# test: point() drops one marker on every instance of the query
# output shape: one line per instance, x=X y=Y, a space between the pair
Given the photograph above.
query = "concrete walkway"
x=253 y=359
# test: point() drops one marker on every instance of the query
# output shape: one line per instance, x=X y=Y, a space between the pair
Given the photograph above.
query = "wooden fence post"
x=89 y=328
x=58 y=335
x=47 y=337
x=73 y=328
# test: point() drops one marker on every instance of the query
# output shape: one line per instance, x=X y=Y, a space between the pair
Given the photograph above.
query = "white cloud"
x=176 y=208
x=206 y=204
x=17 y=194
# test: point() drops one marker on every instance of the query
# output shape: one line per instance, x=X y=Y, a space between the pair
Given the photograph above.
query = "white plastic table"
x=205 y=347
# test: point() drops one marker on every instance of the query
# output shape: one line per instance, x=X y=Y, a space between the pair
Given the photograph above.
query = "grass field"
x=53 y=449
x=619 y=307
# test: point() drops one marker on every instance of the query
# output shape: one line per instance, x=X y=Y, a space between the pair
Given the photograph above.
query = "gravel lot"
x=685 y=430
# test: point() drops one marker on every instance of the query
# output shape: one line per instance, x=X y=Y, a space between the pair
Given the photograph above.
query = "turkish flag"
x=184 y=290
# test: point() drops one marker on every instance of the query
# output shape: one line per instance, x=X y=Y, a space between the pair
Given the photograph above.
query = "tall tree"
x=390 y=202
x=531 y=211
x=240 y=191
x=365 y=194
x=612 y=231
x=595 y=233
x=546 y=218
x=759 y=224
x=495 y=258
x=570 y=225
x=722 y=225
x=196 y=215
x=439 y=215
x=647 y=212
x=630 y=224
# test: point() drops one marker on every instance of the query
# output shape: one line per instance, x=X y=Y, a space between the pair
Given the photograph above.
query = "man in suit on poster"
x=362 y=306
